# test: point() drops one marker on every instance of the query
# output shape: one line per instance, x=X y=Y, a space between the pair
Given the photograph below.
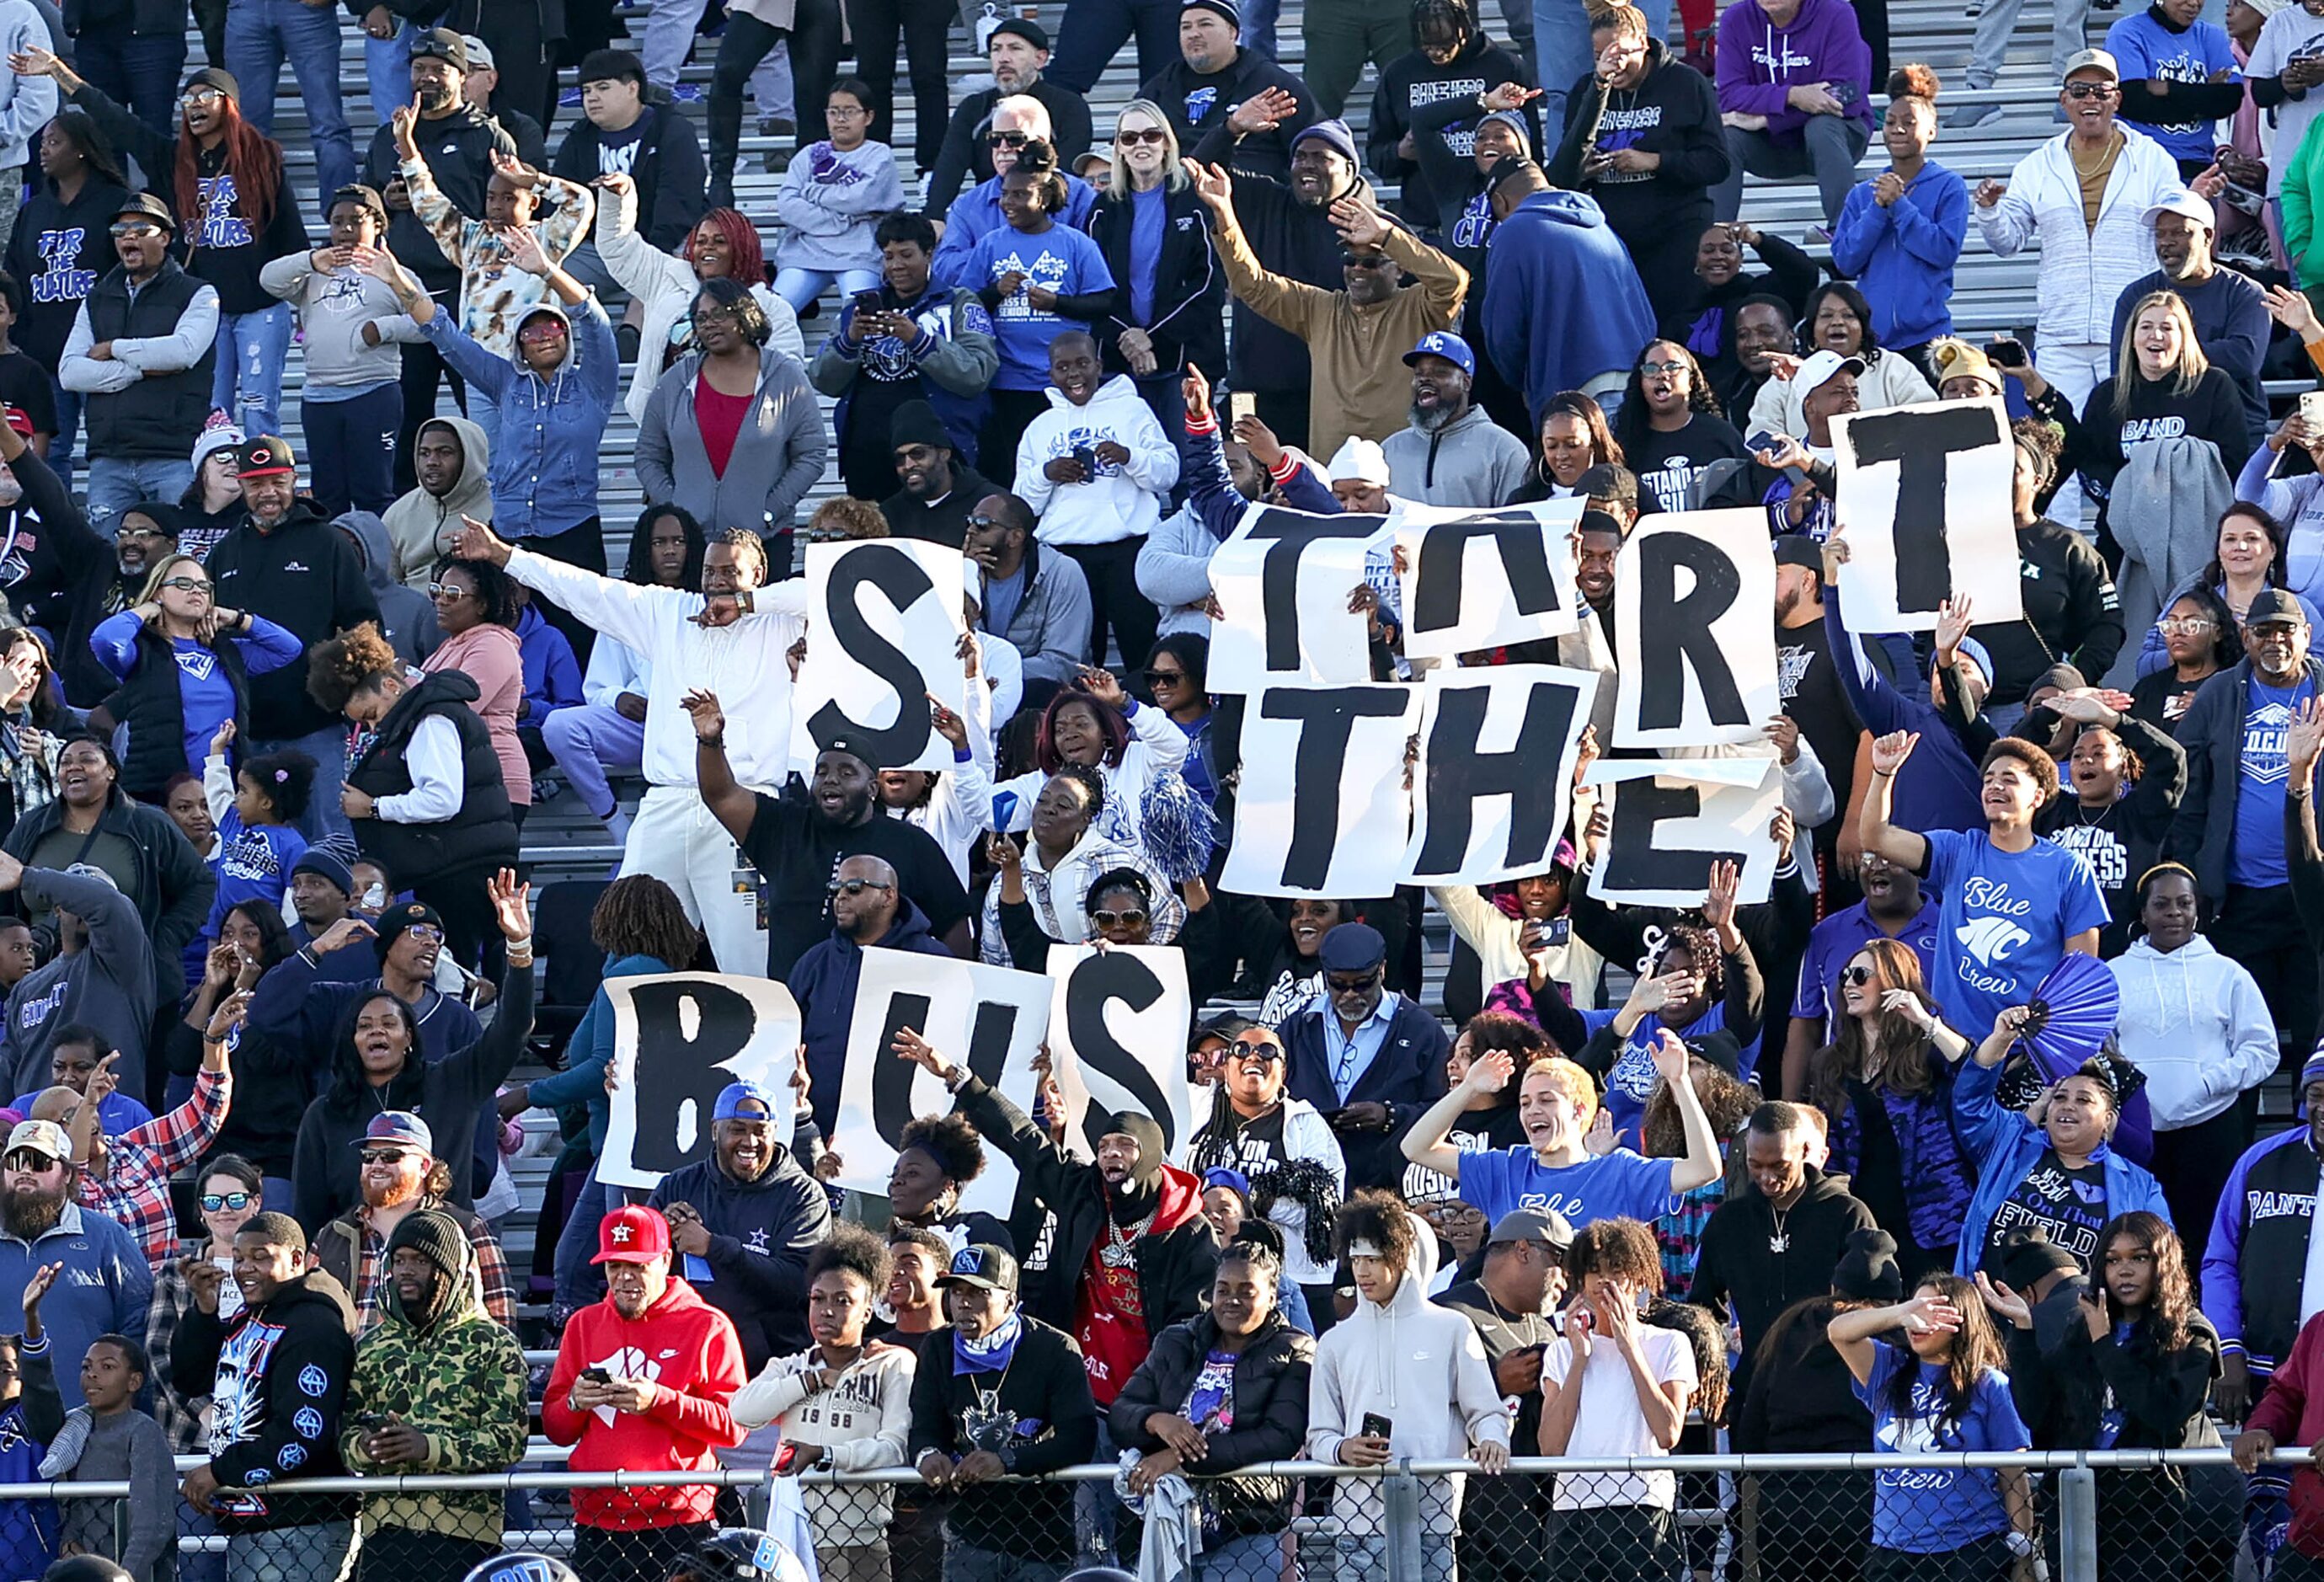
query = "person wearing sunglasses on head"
x=869 y=909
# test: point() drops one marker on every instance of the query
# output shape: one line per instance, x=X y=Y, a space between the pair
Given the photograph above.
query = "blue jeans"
x=1258 y=33
x=1562 y=53
x=388 y=63
x=139 y=71
x=1257 y=1556
x=251 y=348
x=801 y=287
x=329 y=748
x=579 y=1283
x=260 y=36
x=60 y=449
x=351 y=448
x=115 y=483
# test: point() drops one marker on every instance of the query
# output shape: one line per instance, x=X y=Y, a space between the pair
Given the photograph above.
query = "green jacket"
x=459 y=1378
x=2302 y=195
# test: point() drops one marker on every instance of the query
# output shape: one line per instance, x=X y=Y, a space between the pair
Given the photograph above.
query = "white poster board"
x=1282 y=581
x=1671 y=820
x=679 y=1039
x=1694 y=629
x=1924 y=504
x=1118 y=1038
x=1491 y=792
x=1476 y=580
x=885 y=624
x=1322 y=809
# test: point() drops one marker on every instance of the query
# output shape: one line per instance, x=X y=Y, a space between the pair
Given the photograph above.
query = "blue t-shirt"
x=1060 y=259
x=1147 y=214
x=205 y=698
x=1631 y=1081
x=1620 y=1185
x=1834 y=944
x=2005 y=920
x=2255 y=855
x=1932 y=1510
x=254 y=864
x=2149 y=52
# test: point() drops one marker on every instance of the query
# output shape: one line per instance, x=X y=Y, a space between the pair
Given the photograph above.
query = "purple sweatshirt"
x=1759 y=63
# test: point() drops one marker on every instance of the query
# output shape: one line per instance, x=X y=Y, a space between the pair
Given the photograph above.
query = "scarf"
x=991 y=1355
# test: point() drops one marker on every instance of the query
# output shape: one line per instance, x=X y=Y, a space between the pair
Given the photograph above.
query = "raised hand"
x=44 y=1277
x=908 y=1045
x=477 y=541
x=1669 y=1057
x=1102 y=685
x=509 y=909
x=2005 y=1302
x=2305 y=741
x=1194 y=390
x=1213 y=185
x=1718 y=899
x=1889 y=751
x=709 y=720
x=1360 y=224
x=525 y=251
x=1489 y=1072
x=403 y=126
x=1988 y=193
x=947 y=724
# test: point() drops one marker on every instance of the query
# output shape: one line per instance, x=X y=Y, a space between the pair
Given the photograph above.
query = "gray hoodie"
x=418 y=523
x=107 y=983
x=776 y=459
x=1471 y=464
x=333 y=310
x=407 y=615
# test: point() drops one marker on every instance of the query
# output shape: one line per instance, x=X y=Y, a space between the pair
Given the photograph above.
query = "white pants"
x=679 y=841
x=2075 y=369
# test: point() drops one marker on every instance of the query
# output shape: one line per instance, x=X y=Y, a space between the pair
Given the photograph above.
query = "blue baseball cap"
x=1438 y=343
x=738 y=1093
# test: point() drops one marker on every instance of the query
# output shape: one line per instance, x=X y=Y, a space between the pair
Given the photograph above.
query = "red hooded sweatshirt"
x=1111 y=1325
x=689 y=1349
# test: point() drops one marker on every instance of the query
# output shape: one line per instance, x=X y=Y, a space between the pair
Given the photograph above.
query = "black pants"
x=1011 y=414
x=1094 y=31
x=2193 y=1164
x=1115 y=603
x=2262 y=930
x=582 y=546
x=1986 y=1560
x=398 y=1554
x=1614 y=1543
x=814 y=36
x=602 y=1555
x=1809 y=1526
x=524 y=60
x=423 y=365
x=472 y=936
x=924 y=25
x=1285 y=413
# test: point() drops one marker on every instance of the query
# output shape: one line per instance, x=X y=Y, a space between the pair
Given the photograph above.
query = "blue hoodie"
x=823 y=981
x=1563 y=303
x=1941 y=788
x=552 y=680
x=2006 y=1145
x=1760 y=63
x=545 y=460
x=1902 y=255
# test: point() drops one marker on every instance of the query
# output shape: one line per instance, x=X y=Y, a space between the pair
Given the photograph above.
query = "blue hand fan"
x=2075 y=1009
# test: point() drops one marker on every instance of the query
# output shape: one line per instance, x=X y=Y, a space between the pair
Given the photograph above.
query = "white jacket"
x=665 y=287
x=614 y=668
x=1307 y=1134
x=1888 y=380
x=1493 y=935
x=2082 y=271
x=1420 y=1366
x=864 y=1419
x=959 y=809
x=2195 y=1023
x=1156 y=745
x=1122 y=502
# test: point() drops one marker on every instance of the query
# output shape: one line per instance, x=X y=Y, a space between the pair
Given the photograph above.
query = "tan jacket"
x=1359 y=385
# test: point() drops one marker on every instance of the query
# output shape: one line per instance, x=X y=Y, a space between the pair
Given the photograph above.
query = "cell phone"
x=2007 y=350
x=597 y=1375
x=868 y=302
x=1087 y=457
x=2312 y=407
x=1375 y=1426
x=1762 y=440
x=1241 y=404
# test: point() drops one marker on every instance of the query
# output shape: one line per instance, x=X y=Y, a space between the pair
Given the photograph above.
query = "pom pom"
x=1177 y=828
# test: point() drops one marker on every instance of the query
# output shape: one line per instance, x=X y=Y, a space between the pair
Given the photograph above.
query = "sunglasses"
x=1005 y=139
x=1128 y=919
x=232 y=1202
x=1856 y=976
x=25 y=1162
x=383 y=1156
x=187 y=584
x=1165 y=678
x=1363 y=260
x=1258 y=1049
x=852 y=887
x=1153 y=135
x=194 y=98
x=137 y=228
x=2090 y=90
x=446 y=590
x=984 y=523
x=2185 y=625
x=537 y=334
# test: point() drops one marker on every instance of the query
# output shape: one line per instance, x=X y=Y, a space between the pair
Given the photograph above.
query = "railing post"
x=1400 y=1515
x=2078 y=1524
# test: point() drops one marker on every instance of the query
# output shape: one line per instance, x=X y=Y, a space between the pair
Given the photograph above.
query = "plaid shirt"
x=180 y=1416
x=352 y=1233
x=134 y=1187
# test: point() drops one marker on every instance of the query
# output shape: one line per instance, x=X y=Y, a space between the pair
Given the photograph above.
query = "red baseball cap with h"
x=635 y=1234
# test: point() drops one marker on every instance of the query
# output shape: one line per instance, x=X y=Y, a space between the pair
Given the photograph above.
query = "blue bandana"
x=990 y=1355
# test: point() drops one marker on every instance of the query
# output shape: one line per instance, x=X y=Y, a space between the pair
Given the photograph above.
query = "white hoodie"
x=2195 y=1023
x=1420 y=1366
x=1122 y=502
x=864 y=1419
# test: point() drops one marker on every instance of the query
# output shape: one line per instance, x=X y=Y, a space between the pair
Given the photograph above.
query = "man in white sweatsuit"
x=1420 y=1366
x=1096 y=468
x=730 y=639
x=2084 y=266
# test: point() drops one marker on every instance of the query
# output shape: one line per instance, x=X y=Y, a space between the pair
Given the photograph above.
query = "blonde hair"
x=1626 y=20
x=160 y=574
x=1117 y=175
x=2192 y=364
x=1572 y=1080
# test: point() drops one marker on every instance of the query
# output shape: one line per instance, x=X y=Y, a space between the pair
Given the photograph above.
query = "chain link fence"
x=2093 y=1517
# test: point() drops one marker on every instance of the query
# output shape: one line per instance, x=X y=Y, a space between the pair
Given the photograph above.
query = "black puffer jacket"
x=1271 y=1412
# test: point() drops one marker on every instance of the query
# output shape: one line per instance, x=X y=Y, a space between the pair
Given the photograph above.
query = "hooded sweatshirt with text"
x=1122 y=502
x=1760 y=63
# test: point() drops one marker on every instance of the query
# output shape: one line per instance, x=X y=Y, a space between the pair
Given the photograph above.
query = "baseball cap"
x=2274 y=604
x=1532 y=1224
x=43 y=1137
x=982 y=1264
x=735 y=1095
x=1796 y=549
x=635 y=1234
x=2090 y=61
x=480 y=54
x=262 y=455
x=441 y=43
x=2180 y=201
x=401 y=1128
x=1820 y=367
x=1438 y=343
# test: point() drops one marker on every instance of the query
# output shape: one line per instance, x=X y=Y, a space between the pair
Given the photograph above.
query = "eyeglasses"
x=984 y=523
x=1006 y=139
x=232 y=1202
x=427 y=932
x=852 y=887
x=188 y=584
x=2184 y=626
x=1128 y=919
x=1366 y=261
x=2090 y=90
x=446 y=590
x=1165 y=678
x=194 y=98
x=1662 y=368
x=383 y=1155
x=705 y=316
x=142 y=532
x=1856 y=976
x=1153 y=135
x=840 y=113
x=136 y=228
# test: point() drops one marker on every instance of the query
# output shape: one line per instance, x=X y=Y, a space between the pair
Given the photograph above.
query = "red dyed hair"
x=254 y=159
x=1109 y=719
x=742 y=237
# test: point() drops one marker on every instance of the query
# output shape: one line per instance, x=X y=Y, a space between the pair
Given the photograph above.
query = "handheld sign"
x=1924 y=503
x=679 y=1039
x=1322 y=808
x=989 y=1019
x=1671 y=820
x=1694 y=629
x=1118 y=1038
x=1497 y=750
x=1282 y=581
x=1477 y=579
x=885 y=621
